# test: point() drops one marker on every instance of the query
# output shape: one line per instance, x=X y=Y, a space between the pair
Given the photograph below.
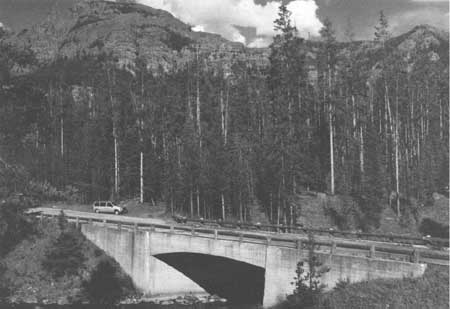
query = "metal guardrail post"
x=372 y=251
x=77 y=222
x=298 y=244
x=105 y=222
x=333 y=248
x=192 y=231
x=416 y=256
x=90 y=221
x=119 y=226
x=135 y=227
x=216 y=234
x=268 y=239
x=241 y=237
x=172 y=229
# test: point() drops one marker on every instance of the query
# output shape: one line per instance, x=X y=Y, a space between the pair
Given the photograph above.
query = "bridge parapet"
x=405 y=252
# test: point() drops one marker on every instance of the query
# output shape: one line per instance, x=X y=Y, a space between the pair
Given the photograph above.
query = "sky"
x=403 y=15
x=251 y=21
x=222 y=17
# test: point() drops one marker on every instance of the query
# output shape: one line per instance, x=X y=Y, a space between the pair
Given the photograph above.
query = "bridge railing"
x=426 y=241
x=282 y=240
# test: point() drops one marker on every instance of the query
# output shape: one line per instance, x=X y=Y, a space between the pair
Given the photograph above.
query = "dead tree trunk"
x=397 y=165
x=330 y=119
x=111 y=82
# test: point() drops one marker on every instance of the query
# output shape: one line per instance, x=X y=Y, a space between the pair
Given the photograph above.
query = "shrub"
x=45 y=191
x=106 y=286
x=308 y=287
x=13 y=178
x=4 y=286
x=343 y=210
x=62 y=221
x=14 y=226
x=65 y=256
x=342 y=284
x=429 y=291
x=433 y=228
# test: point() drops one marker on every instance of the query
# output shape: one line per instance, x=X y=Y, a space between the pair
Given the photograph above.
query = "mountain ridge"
x=125 y=30
x=129 y=30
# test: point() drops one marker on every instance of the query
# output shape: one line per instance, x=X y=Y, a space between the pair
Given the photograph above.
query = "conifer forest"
x=211 y=136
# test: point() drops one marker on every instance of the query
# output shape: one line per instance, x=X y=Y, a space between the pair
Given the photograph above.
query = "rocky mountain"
x=4 y=30
x=424 y=38
x=126 y=31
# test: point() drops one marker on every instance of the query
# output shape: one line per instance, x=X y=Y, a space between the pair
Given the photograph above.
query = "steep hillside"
x=319 y=210
x=29 y=280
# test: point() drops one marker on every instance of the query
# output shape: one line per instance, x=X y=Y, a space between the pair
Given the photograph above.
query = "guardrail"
x=426 y=241
x=410 y=254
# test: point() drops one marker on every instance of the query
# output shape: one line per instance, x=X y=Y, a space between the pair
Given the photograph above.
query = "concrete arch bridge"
x=243 y=267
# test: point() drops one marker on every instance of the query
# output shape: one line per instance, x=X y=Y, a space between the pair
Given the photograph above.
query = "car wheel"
x=96 y=211
x=116 y=212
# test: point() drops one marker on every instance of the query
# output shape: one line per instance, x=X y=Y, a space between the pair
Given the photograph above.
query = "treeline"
x=210 y=140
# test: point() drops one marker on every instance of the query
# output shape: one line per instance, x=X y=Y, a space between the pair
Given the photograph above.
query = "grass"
x=428 y=292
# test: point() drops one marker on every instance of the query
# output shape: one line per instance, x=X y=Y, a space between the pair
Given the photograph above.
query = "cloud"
x=403 y=21
x=260 y=42
x=224 y=17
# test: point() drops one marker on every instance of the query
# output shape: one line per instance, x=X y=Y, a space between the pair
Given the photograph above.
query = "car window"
x=110 y=205
x=96 y=204
x=102 y=204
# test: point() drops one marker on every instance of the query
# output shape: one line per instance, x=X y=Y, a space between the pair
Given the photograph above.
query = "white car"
x=108 y=207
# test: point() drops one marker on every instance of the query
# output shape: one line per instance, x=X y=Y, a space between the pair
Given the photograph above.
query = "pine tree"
x=329 y=62
x=372 y=184
x=382 y=33
x=286 y=83
x=308 y=287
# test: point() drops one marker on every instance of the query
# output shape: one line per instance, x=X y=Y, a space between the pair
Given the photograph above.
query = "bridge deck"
x=360 y=247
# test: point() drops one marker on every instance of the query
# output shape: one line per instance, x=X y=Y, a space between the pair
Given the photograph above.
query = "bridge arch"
x=251 y=253
x=238 y=282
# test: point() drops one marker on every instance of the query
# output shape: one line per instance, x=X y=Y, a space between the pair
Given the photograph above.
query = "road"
x=93 y=215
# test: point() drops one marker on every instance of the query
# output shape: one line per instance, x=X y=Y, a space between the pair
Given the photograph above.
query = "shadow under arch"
x=236 y=281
